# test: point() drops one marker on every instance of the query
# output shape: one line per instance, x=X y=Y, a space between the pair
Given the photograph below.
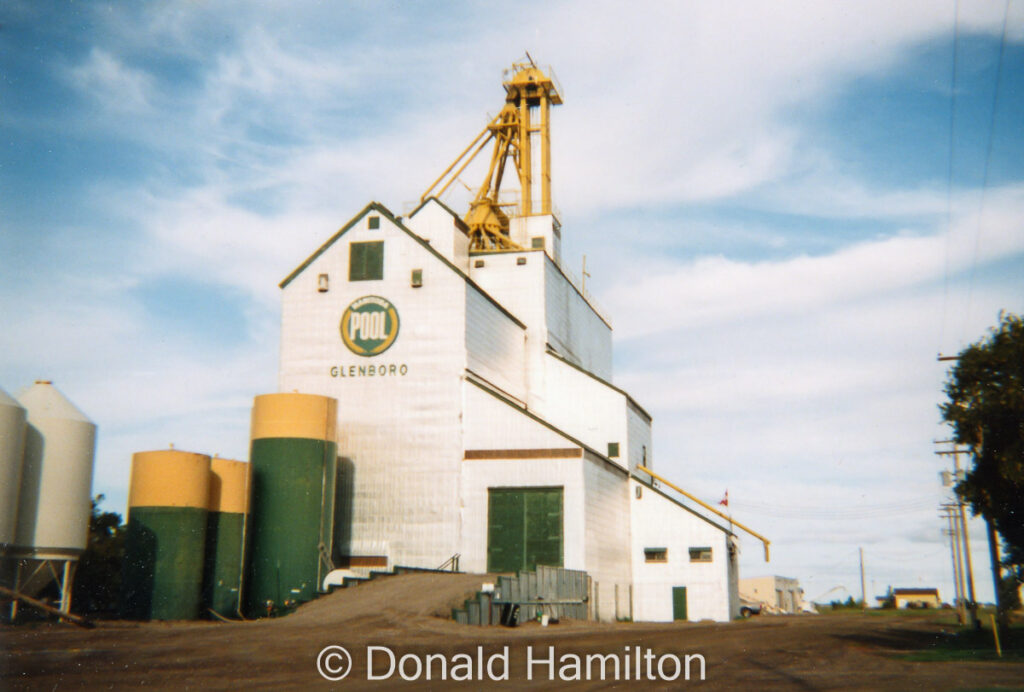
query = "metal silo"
x=163 y=562
x=56 y=477
x=54 y=499
x=294 y=467
x=12 y=449
x=225 y=536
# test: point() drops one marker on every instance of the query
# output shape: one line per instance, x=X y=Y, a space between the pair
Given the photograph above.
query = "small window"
x=655 y=554
x=417 y=278
x=321 y=283
x=478 y=263
x=639 y=492
x=700 y=554
x=366 y=261
x=520 y=261
x=537 y=243
x=613 y=449
x=373 y=223
x=643 y=455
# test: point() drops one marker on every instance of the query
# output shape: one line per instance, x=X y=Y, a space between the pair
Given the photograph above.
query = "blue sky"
x=765 y=193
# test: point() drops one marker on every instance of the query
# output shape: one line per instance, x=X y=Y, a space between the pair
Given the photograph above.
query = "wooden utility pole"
x=961 y=521
x=952 y=560
x=863 y=596
x=958 y=572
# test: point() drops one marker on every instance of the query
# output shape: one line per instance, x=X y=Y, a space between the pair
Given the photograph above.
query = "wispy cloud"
x=112 y=84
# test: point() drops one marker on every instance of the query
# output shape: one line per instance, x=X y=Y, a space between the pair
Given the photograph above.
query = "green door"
x=679 y=603
x=524 y=528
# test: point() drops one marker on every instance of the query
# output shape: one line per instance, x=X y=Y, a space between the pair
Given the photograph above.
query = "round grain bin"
x=54 y=504
x=294 y=467
x=12 y=450
x=163 y=562
x=226 y=521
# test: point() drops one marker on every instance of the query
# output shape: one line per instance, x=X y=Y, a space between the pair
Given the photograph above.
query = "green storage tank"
x=226 y=526
x=163 y=566
x=294 y=470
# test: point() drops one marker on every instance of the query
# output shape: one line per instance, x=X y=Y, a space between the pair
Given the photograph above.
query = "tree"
x=97 y=584
x=985 y=408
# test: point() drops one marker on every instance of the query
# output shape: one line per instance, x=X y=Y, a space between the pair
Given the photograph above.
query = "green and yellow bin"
x=226 y=523
x=162 y=577
x=294 y=470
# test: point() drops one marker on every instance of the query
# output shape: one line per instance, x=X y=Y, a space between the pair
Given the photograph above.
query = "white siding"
x=658 y=522
x=584 y=407
x=520 y=289
x=490 y=423
x=523 y=229
x=495 y=345
x=574 y=329
x=606 y=518
x=638 y=431
x=399 y=435
x=437 y=226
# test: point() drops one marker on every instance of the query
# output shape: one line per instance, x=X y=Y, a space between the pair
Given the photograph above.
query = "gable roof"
x=459 y=223
x=555 y=354
x=486 y=386
x=383 y=211
x=678 y=503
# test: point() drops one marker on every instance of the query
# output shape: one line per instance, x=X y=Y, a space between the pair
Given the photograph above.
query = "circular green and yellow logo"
x=369 y=326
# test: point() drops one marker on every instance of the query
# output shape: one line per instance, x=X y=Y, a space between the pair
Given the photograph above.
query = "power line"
x=949 y=169
x=988 y=158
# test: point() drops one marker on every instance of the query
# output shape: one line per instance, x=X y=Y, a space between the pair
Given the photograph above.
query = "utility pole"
x=952 y=559
x=961 y=521
x=993 y=552
x=958 y=574
x=863 y=596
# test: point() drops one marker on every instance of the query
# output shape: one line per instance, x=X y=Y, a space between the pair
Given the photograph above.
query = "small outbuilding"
x=774 y=594
x=916 y=598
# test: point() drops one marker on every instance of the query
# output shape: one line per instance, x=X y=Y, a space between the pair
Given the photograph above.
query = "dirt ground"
x=841 y=652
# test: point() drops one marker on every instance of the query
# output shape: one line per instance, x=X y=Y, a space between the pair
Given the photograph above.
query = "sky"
x=789 y=209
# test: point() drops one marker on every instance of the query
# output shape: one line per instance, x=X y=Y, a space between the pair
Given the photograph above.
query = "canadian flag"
x=725 y=500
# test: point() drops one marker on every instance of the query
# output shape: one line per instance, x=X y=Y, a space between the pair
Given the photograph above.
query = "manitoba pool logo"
x=369 y=326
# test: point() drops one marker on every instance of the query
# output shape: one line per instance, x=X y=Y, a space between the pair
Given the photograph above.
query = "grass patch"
x=973 y=645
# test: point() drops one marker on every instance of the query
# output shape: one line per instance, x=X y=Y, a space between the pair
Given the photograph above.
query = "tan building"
x=917 y=598
x=774 y=594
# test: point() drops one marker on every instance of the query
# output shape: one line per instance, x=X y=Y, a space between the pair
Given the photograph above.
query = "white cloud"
x=114 y=85
x=716 y=290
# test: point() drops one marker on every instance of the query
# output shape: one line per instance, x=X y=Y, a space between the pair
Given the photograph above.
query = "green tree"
x=97 y=584
x=985 y=407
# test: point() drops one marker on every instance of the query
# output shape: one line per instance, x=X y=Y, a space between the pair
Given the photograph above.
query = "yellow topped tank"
x=166 y=541
x=294 y=470
x=226 y=529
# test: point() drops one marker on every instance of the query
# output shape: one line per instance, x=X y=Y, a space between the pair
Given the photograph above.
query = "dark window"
x=520 y=260
x=478 y=263
x=366 y=261
x=702 y=554
x=417 y=278
x=655 y=554
x=537 y=243
x=373 y=223
x=321 y=283
x=613 y=449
